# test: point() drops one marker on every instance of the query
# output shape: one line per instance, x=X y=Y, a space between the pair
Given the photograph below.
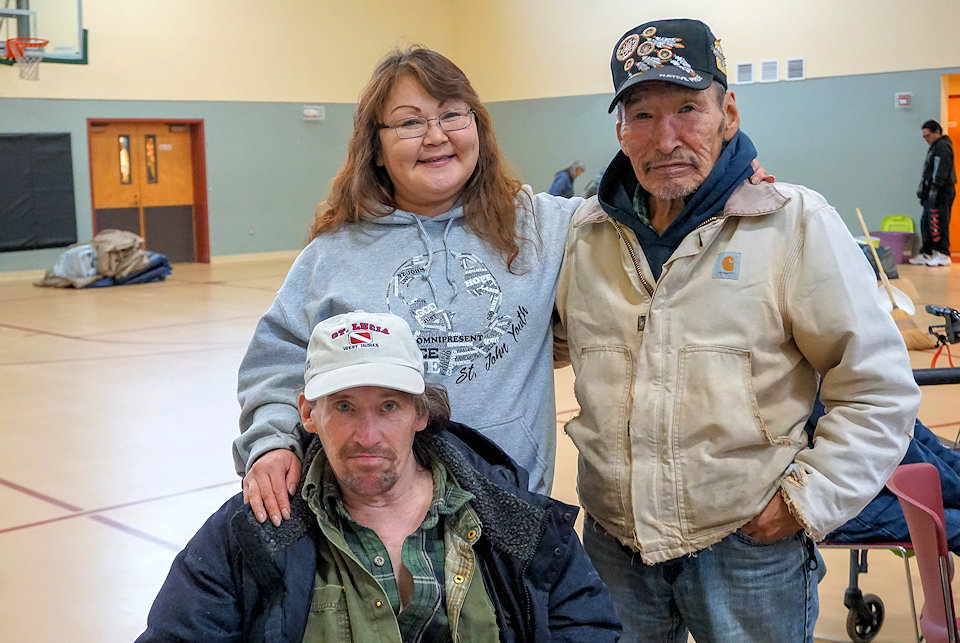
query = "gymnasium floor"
x=119 y=409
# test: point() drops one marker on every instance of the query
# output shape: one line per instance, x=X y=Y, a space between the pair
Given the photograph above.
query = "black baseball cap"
x=678 y=51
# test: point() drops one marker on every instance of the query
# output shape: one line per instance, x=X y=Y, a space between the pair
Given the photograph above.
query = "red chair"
x=917 y=486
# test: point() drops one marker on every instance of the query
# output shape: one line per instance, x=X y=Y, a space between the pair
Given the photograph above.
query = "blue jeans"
x=739 y=589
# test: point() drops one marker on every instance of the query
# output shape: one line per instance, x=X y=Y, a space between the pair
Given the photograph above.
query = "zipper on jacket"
x=710 y=220
x=527 y=597
x=633 y=255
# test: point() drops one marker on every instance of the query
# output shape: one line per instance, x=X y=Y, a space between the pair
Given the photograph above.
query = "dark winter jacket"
x=238 y=580
x=938 y=170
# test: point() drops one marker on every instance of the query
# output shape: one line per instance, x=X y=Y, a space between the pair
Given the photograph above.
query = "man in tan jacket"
x=701 y=312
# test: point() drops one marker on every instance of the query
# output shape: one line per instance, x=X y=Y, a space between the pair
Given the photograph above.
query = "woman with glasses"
x=424 y=221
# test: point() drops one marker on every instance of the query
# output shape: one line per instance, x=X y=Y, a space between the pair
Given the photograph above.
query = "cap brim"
x=666 y=73
x=395 y=376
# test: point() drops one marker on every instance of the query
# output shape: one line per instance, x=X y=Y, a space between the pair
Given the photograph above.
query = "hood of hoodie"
x=401 y=217
x=432 y=232
x=619 y=184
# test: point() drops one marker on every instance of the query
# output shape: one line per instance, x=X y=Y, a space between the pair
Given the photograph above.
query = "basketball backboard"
x=59 y=21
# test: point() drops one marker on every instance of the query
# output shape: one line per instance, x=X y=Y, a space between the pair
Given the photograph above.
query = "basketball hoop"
x=28 y=52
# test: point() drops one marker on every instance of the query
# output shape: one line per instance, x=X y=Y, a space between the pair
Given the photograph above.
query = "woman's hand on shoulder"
x=760 y=174
x=271 y=481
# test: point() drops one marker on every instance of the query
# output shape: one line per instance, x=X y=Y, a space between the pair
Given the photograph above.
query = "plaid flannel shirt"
x=423 y=555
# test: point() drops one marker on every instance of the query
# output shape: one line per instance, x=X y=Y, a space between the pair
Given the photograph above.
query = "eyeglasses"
x=416 y=126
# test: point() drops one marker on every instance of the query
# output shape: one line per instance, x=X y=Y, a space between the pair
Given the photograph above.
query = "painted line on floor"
x=940 y=426
x=152 y=353
x=202 y=322
x=272 y=289
x=132 y=531
x=94 y=514
x=131 y=342
x=570 y=413
x=236 y=284
x=39 y=496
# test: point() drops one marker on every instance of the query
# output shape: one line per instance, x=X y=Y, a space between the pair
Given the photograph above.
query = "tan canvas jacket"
x=694 y=389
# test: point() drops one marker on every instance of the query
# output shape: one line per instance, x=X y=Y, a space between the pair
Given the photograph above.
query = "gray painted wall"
x=840 y=136
x=267 y=169
x=541 y=137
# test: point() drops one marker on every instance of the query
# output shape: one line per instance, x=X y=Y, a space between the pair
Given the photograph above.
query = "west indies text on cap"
x=680 y=51
x=362 y=349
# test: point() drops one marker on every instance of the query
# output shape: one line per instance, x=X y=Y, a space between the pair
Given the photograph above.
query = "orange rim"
x=17 y=46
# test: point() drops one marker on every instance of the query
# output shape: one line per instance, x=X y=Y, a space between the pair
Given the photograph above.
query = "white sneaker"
x=939 y=259
x=922 y=259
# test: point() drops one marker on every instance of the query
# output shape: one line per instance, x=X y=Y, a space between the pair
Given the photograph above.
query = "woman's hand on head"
x=269 y=484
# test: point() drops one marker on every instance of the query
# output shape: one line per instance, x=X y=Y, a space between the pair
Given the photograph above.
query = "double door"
x=142 y=181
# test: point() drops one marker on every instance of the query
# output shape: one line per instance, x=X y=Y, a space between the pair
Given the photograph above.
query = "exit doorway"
x=951 y=127
x=149 y=177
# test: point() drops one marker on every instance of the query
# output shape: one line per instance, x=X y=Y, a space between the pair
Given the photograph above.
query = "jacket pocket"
x=726 y=458
x=602 y=387
x=328 y=619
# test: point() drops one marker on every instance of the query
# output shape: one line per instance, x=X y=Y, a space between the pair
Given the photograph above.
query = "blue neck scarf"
x=731 y=169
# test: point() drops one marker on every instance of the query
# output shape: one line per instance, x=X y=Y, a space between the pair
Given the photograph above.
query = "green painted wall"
x=267 y=169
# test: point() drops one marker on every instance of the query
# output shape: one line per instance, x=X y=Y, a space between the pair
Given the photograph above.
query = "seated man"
x=406 y=526
x=882 y=520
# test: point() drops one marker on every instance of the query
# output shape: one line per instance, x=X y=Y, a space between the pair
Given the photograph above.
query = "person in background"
x=401 y=531
x=592 y=187
x=936 y=192
x=699 y=312
x=563 y=182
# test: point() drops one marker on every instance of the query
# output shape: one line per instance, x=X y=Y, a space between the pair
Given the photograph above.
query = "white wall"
x=536 y=48
x=324 y=50
x=234 y=50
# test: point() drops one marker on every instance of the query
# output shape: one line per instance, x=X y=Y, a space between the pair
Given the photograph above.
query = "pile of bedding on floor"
x=112 y=258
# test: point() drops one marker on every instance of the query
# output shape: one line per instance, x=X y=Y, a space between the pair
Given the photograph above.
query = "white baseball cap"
x=362 y=349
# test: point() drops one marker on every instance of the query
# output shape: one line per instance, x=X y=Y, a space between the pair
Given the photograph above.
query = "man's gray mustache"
x=690 y=159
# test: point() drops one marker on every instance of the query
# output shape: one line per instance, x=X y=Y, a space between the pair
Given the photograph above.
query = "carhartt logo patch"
x=727 y=266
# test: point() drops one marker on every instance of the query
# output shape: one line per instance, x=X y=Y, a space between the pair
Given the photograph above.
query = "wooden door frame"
x=198 y=160
x=954 y=225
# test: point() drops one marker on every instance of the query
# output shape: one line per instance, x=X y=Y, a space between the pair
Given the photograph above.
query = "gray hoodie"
x=485 y=333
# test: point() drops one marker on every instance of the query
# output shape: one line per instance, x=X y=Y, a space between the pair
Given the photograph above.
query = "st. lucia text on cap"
x=360 y=335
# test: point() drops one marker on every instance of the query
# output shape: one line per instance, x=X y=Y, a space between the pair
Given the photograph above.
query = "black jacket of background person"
x=938 y=170
x=239 y=580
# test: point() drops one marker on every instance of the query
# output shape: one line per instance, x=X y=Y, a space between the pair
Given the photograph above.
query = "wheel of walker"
x=861 y=629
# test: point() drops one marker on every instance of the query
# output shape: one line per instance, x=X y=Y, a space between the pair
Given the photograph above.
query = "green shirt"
x=423 y=554
x=640 y=206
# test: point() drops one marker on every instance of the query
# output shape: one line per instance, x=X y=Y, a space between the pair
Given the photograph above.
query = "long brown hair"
x=361 y=188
